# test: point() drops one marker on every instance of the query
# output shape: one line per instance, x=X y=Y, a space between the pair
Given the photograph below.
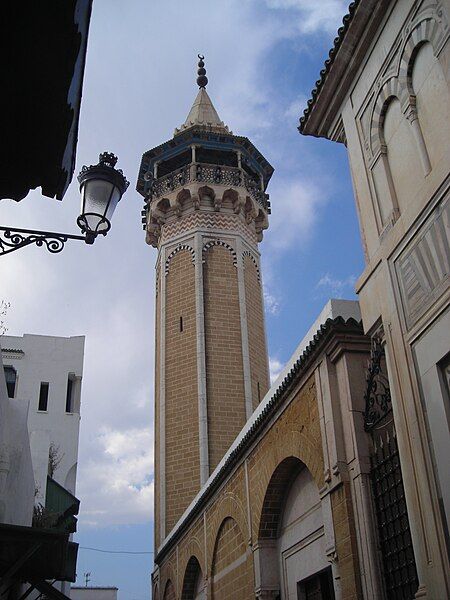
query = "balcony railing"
x=214 y=174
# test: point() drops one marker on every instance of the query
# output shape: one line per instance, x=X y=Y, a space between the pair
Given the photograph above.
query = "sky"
x=262 y=59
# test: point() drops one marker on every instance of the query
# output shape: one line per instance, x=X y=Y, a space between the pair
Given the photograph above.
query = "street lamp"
x=101 y=188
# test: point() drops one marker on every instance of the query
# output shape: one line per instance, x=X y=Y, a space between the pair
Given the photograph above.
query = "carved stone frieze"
x=208 y=221
x=161 y=213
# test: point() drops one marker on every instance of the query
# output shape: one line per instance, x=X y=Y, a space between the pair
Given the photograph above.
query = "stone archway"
x=193 y=581
x=231 y=574
x=169 y=591
x=290 y=551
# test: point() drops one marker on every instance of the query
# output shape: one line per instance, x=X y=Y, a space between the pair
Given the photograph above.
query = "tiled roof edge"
x=308 y=353
x=13 y=350
x=338 y=40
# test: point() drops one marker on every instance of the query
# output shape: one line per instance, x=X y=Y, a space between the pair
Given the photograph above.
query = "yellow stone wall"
x=181 y=391
x=223 y=535
x=256 y=331
x=223 y=350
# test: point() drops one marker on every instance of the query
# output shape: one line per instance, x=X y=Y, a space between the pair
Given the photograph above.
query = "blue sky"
x=262 y=59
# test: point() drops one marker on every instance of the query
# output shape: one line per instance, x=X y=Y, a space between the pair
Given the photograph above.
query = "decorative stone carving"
x=208 y=220
x=423 y=268
x=428 y=25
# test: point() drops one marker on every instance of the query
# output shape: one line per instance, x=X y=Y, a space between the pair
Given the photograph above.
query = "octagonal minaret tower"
x=205 y=211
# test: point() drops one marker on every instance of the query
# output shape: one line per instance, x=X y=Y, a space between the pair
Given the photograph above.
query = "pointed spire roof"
x=203 y=114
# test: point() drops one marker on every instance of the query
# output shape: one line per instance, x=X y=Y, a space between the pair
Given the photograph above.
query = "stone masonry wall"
x=182 y=458
x=232 y=565
x=256 y=331
x=346 y=545
x=224 y=549
x=223 y=349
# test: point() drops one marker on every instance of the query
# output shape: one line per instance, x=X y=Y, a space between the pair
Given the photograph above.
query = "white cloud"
x=335 y=287
x=313 y=16
x=116 y=486
x=271 y=302
x=298 y=204
x=275 y=368
x=295 y=109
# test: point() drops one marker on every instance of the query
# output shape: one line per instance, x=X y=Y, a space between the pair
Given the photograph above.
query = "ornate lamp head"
x=101 y=187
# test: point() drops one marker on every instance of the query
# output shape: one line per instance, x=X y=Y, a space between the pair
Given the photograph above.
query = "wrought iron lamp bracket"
x=12 y=239
x=377 y=397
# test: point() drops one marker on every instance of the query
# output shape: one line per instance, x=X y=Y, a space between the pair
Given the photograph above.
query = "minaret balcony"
x=208 y=174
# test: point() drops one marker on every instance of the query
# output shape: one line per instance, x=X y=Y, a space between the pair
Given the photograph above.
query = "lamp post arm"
x=12 y=238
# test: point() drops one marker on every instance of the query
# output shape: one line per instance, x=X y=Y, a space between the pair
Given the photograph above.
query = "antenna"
x=87 y=578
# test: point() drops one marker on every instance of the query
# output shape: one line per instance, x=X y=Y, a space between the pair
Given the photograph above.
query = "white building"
x=45 y=372
x=16 y=473
x=93 y=593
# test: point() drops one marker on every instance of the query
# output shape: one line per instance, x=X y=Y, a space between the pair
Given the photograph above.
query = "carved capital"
x=411 y=114
x=331 y=554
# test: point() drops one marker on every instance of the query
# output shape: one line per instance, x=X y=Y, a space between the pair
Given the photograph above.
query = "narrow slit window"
x=259 y=393
x=181 y=323
x=69 y=395
x=43 y=397
x=10 y=378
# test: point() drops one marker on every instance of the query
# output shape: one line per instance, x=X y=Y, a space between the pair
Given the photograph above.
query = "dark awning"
x=42 y=66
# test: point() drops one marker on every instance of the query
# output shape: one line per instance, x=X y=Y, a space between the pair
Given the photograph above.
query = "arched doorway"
x=292 y=562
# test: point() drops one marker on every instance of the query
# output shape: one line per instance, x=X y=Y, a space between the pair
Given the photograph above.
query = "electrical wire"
x=112 y=551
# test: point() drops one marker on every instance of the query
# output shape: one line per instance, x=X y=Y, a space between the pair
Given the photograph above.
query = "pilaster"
x=244 y=330
x=201 y=361
x=162 y=392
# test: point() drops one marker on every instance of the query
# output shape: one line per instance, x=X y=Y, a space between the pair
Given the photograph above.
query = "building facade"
x=46 y=373
x=390 y=105
x=288 y=512
x=16 y=469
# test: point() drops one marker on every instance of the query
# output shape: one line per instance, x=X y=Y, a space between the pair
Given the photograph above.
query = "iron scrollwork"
x=377 y=397
x=216 y=174
x=12 y=239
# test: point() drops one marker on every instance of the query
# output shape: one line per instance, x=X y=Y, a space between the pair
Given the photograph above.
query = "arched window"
x=10 y=378
x=428 y=84
x=402 y=154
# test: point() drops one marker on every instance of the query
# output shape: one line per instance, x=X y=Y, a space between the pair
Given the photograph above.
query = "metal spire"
x=202 y=80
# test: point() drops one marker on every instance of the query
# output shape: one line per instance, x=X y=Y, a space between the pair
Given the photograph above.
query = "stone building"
x=206 y=209
x=257 y=492
x=45 y=373
x=390 y=105
x=43 y=376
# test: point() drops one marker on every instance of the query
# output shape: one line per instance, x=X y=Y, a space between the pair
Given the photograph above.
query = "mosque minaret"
x=206 y=208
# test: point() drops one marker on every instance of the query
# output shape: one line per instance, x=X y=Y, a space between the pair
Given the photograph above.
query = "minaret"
x=205 y=210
